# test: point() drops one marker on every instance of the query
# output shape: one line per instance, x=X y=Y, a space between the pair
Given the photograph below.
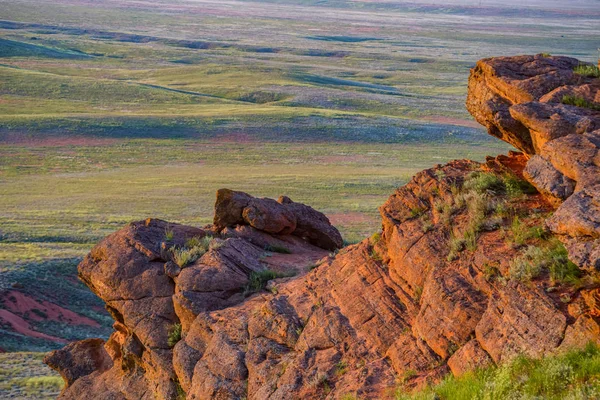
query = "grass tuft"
x=194 y=248
x=572 y=375
x=258 y=280
x=552 y=258
x=587 y=70
x=484 y=182
x=174 y=335
x=579 y=101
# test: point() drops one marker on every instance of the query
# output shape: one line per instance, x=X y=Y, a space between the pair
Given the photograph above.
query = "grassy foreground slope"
x=574 y=375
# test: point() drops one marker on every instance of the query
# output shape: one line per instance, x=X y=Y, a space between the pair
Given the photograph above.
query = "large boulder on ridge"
x=277 y=217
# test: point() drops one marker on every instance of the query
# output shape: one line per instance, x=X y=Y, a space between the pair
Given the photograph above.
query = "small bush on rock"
x=174 y=335
x=258 y=280
x=587 y=70
x=553 y=258
x=579 y=102
x=194 y=249
x=484 y=182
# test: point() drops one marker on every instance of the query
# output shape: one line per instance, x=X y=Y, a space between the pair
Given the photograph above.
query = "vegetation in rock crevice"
x=193 y=249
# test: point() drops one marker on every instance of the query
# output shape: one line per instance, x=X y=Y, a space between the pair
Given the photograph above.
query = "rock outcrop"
x=529 y=102
x=450 y=284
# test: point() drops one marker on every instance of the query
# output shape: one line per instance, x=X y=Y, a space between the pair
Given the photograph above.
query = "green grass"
x=24 y=375
x=573 y=375
x=58 y=201
x=483 y=183
x=258 y=280
x=587 y=70
x=194 y=249
x=550 y=256
x=174 y=335
x=520 y=232
x=580 y=102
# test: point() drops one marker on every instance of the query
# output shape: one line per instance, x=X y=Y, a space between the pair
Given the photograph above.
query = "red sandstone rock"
x=79 y=359
x=352 y=323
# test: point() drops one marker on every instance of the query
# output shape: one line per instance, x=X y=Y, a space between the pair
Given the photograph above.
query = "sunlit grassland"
x=24 y=375
x=57 y=201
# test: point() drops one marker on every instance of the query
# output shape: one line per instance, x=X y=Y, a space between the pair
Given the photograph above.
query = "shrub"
x=470 y=239
x=203 y=242
x=427 y=226
x=528 y=265
x=376 y=237
x=484 y=182
x=456 y=246
x=416 y=212
x=571 y=375
x=579 y=102
x=418 y=293
x=553 y=258
x=341 y=368
x=181 y=395
x=521 y=233
x=587 y=70
x=278 y=249
x=194 y=248
x=559 y=266
x=168 y=234
x=258 y=280
x=174 y=335
x=516 y=187
x=501 y=209
x=438 y=205
x=440 y=174
x=375 y=256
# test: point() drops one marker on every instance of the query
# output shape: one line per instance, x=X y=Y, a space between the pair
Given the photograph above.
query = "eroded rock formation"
x=522 y=100
x=437 y=291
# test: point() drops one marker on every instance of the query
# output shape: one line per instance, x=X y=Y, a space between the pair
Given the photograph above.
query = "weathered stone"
x=229 y=207
x=585 y=330
x=469 y=357
x=79 y=359
x=450 y=310
x=313 y=225
x=520 y=320
x=269 y=216
x=548 y=180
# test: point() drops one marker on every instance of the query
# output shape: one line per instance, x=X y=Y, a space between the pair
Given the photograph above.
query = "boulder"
x=520 y=320
x=79 y=359
x=469 y=357
x=229 y=208
x=313 y=225
x=281 y=217
x=269 y=216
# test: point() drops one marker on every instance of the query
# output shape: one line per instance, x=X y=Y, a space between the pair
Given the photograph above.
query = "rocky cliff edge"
x=472 y=267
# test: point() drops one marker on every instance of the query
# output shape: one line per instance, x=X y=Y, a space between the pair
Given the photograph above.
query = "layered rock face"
x=520 y=100
x=439 y=290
